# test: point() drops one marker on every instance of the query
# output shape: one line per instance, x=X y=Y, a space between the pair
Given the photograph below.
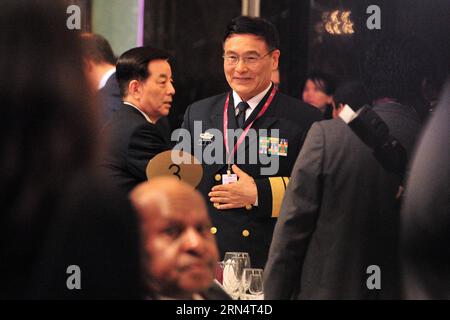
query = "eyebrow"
x=245 y=53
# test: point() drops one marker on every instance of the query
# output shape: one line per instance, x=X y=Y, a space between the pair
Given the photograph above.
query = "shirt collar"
x=145 y=116
x=106 y=77
x=253 y=102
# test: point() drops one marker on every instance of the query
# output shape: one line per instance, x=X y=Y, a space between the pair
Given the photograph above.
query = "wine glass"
x=244 y=255
x=252 y=284
x=233 y=265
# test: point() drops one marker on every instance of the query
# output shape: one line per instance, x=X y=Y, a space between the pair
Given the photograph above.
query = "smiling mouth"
x=242 y=79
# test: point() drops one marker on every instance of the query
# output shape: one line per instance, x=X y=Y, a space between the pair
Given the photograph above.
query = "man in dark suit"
x=244 y=212
x=180 y=253
x=337 y=234
x=145 y=81
x=99 y=66
x=100 y=69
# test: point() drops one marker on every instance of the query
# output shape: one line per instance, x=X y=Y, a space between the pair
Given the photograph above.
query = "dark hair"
x=256 y=26
x=327 y=84
x=49 y=124
x=395 y=67
x=351 y=92
x=133 y=65
x=97 y=48
x=324 y=81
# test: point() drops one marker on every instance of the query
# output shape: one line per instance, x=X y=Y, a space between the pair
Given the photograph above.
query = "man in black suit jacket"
x=337 y=234
x=99 y=66
x=145 y=81
x=244 y=212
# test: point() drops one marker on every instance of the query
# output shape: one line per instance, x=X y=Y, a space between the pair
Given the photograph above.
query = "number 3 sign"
x=176 y=163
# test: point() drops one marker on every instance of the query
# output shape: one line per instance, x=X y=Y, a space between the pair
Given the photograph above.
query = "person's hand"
x=235 y=195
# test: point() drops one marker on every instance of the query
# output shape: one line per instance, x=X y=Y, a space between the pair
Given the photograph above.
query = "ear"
x=275 y=58
x=330 y=100
x=134 y=89
x=87 y=65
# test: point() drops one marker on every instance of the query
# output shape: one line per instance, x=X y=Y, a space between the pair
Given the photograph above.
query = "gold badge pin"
x=213 y=230
x=217 y=177
x=245 y=233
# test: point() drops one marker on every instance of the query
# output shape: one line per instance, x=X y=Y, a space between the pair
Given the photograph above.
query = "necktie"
x=240 y=118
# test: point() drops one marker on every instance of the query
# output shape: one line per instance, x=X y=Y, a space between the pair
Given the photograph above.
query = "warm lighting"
x=338 y=22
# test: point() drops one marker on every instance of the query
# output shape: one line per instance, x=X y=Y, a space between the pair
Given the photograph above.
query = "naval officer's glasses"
x=233 y=59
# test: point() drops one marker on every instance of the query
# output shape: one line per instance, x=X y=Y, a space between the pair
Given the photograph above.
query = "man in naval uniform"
x=244 y=198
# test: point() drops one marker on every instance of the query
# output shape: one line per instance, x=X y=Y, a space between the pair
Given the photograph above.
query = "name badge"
x=229 y=178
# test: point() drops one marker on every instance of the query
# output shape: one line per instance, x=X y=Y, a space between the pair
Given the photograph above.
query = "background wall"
x=191 y=30
x=117 y=21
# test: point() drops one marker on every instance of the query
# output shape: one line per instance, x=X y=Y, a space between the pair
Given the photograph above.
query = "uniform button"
x=248 y=207
x=217 y=177
x=213 y=230
x=216 y=205
x=245 y=233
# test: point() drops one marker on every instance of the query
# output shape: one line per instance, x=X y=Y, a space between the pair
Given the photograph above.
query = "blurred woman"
x=63 y=232
x=318 y=90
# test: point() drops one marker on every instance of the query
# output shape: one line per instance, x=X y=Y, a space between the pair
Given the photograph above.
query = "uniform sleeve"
x=297 y=220
x=271 y=190
x=270 y=195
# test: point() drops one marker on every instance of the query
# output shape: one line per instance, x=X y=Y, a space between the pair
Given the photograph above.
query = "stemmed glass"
x=243 y=255
x=252 y=284
x=234 y=264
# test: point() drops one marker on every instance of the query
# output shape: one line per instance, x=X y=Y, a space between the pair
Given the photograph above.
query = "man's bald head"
x=180 y=248
x=164 y=194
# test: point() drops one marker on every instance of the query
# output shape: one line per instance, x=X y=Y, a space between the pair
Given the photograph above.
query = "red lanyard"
x=242 y=137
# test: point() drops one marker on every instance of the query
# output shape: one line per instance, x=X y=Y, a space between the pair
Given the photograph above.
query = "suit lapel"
x=217 y=123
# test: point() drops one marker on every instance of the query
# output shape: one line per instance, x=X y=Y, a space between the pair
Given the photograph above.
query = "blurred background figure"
x=100 y=67
x=351 y=92
x=318 y=90
x=55 y=212
x=180 y=250
x=340 y=213
x=426 y=214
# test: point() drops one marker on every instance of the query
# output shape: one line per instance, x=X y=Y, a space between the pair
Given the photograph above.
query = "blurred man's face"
x=182 y=252
x=252 y=72
x=156 y=92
